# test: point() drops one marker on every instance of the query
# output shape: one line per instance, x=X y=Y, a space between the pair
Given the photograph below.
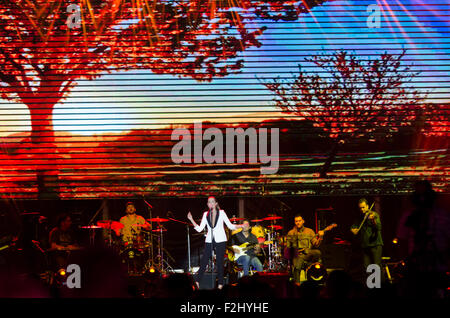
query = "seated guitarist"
x=300 y=244
x=253 y=247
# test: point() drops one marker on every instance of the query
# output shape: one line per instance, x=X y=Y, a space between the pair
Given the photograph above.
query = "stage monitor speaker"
x=209 y=281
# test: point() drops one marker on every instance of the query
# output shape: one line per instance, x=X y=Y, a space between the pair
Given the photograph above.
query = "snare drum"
x=140 y=242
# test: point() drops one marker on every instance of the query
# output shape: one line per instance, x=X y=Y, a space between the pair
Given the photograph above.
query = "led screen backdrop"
x=104 y=98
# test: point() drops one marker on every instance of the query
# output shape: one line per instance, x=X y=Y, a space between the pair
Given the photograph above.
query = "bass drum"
x=133 y=259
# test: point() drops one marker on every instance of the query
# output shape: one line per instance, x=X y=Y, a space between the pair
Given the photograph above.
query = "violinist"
x=369 y=234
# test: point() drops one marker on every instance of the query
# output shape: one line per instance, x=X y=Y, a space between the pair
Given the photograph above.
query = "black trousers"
x=207 y=254
x=372 y=255
x=312 y=256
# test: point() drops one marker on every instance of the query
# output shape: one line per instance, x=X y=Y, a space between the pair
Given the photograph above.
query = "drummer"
x=132 y=223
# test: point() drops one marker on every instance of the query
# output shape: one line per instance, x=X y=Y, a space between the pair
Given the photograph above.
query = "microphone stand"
x=91 y=231
x=150 y=207
x=212 y=247
x=188 y=241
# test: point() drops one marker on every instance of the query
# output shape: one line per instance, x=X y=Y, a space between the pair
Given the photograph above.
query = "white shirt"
x=218 y=231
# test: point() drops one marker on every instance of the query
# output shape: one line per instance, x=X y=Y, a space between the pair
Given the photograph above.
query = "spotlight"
x=59 y=277
x=62 y=272
x=152 y=274
x=395 y=241
x=316 y=272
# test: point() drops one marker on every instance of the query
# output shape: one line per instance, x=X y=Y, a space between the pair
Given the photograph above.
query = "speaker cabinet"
x=209 y=281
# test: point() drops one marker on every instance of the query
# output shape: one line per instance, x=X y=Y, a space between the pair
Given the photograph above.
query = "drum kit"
x=269 y=235
x=137 y=250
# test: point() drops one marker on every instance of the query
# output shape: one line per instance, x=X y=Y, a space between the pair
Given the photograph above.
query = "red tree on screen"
x=349 y=97
x=42 y=54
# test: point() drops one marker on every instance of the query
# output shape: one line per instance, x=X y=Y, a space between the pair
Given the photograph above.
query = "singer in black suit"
x=214 y=219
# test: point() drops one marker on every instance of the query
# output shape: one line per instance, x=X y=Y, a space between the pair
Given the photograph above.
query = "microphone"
x=37 y=245
x=143 y=197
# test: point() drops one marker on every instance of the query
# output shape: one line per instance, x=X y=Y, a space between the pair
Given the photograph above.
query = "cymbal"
x=92 y=227
x=109 y=224
x=236 y=219
x=276 y=227
x=272 y=217
x=158 y=219
x=236 y=231
x=30 y=214
x=256 y=220
x=160 y=229
x=338 y=241
x=75 y=248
